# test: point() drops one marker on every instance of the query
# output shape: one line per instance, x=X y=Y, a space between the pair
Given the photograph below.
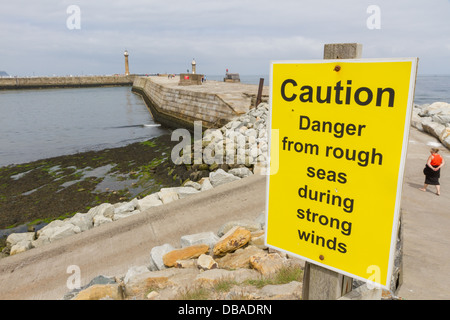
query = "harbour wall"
x=65 y=82
x=179 y=106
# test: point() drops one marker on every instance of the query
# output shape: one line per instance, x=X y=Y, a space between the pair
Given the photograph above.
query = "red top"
x=436 y=160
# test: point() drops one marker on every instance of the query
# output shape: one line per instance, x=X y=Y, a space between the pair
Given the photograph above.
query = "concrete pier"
x=214 y=103
x=65 y=82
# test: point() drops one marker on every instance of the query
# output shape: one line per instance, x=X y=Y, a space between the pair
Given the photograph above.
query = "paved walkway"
x=426 y=225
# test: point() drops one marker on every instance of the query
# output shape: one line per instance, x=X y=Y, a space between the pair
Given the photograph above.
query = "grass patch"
x=283 y=276
x=196 y=293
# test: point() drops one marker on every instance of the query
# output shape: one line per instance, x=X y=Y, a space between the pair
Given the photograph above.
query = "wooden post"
x=320 y=283
x=260 y=89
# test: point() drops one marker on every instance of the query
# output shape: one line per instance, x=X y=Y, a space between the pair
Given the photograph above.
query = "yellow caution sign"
x=342 y=131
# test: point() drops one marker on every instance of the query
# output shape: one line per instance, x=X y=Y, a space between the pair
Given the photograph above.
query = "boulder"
x=433 y=128
x=445 y=137
x=118 y=216
x=149 y=201
x=99 y=292
x=241 y=172
x=127 y=207
x=184 y=192
x=168 y=195
x=267 y=264
x=21 y=246
x=220 y=177
x=291 y=291
x=240 y=258
x=246 y=224
x=205 y=184
x=231 y=241
x=157 y=253
x=208 y=238
x=105 y=209
x=206 y=262
x=170 y=258
x=15 y=238
x=101 y=219
x=83 y=220
x=133 y=271
x=64 y=231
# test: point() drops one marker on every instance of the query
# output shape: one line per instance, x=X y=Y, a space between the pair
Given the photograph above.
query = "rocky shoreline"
x=433 y=119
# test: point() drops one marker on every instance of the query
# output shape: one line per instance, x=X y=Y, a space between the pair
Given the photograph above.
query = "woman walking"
x=432 y=170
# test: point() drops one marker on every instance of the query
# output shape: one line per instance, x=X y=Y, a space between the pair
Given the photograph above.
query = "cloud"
x=243 y=35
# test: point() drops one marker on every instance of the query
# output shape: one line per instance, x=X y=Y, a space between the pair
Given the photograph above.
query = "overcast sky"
x=43 y=38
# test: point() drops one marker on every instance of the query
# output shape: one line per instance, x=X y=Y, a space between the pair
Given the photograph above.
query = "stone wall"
x=65 y=82
x=179 y=107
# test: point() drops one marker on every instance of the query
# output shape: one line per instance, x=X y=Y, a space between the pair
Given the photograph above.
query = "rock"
x=246 y=224
x=127 y=207
x=168 y=195
x=291 y=291
x=258 y=240
x=101 y=219
x=241 y=172
x=208 y=238
x=83 y=220
x=445 y=137
x=267 y=264
x=170 y=258
x=118 y=216
x=149 y=201
x=240 y=258
x=140 y=284
x=21 y=246
x=133 y=271
x=157 y=253
x=184 y=192
x=15 y=238
x=185 y=264
x=205 y=184
x=105 y=209
x=100 y=291
x=152 y=295
x=211 y=277
x=193 y=184
x=232 y=240
x=220 y=177
x=48 y=228
x=99 y=280
x=433 y=128
x=63 y=231
x=206 y=262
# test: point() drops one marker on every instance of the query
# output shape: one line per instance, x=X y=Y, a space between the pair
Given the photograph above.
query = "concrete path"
x=111 y=249
x=426 y=225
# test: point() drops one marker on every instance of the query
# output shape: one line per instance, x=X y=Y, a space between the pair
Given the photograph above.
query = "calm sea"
x=37 y=124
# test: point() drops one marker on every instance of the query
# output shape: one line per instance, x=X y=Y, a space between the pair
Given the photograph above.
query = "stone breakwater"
x=249 y=136
x=65 y=82
x=433 y=119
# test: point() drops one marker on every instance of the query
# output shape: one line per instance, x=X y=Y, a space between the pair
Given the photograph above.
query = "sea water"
x=37 y=124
